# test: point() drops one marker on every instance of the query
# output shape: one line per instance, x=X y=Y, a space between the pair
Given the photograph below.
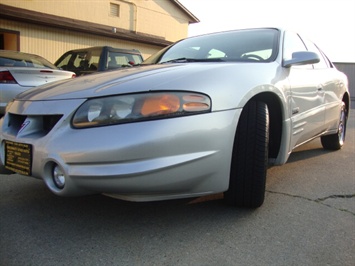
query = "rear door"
x=331 y=83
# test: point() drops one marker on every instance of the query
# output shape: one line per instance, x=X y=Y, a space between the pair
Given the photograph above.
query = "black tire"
x=249 y=158
x=336 y=141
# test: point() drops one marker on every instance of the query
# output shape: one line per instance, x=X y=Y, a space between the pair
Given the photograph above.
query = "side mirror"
x=302 y=58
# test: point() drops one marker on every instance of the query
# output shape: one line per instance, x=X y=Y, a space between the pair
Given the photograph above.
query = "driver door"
x=306 y=95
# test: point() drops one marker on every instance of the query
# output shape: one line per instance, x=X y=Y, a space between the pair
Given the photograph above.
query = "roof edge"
x=193 y=18
x=43 y=19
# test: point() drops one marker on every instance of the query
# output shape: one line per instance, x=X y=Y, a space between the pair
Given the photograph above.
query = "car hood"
x=182 y=76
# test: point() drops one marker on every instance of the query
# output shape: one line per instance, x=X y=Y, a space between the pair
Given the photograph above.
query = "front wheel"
x=250 y=157
x=336 y=141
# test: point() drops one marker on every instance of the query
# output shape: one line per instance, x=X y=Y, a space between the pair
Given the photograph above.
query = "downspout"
x=135 y=20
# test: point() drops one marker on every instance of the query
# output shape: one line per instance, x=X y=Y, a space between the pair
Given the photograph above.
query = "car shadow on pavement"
x=306 y=154
x=39 y=206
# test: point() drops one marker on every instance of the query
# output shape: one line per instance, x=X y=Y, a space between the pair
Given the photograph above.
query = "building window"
x=114 y=10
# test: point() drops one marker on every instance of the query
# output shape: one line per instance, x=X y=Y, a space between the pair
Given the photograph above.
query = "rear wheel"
x=250 y=157
x=336 y=141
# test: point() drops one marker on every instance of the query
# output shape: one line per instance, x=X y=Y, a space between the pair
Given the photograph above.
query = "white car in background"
x=205 y=115
x=22 y=71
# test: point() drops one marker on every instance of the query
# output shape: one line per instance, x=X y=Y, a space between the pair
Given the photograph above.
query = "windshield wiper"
x=179 y=60
x=188 y=60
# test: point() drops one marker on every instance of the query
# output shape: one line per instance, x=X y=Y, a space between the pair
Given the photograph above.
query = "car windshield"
x=80 y=60
x=259 y=45
x=13 y=59
x=118 y=60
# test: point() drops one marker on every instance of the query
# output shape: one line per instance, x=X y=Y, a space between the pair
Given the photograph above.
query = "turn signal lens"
x=196 y=107
x=196 y=103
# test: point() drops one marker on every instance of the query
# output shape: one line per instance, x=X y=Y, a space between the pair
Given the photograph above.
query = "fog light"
x=58 y=177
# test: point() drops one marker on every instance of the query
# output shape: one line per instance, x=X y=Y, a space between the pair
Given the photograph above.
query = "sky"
x=328 y=23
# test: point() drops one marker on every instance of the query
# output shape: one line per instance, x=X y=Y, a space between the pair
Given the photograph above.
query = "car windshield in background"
x=23 y=60
x=80 y=60
x=239 y=46
x=95 y=59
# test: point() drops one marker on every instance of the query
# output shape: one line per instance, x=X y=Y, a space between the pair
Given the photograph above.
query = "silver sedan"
x=206 y=115
x=22 y=71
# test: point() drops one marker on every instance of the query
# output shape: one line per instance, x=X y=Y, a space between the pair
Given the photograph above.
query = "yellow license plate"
x=18 y=157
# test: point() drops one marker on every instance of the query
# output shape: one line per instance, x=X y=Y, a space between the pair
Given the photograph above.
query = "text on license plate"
x=18 y=157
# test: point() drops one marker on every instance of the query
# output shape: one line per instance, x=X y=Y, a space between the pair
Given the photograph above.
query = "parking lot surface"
x=308 y=218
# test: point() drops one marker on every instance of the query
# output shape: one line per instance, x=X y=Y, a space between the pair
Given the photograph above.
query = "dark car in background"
x=96 y=59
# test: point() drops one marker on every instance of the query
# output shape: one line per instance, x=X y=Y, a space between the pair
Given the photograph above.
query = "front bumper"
x=162 y=159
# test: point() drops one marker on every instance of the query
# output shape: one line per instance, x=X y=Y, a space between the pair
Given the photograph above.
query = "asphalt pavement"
x=308 y=218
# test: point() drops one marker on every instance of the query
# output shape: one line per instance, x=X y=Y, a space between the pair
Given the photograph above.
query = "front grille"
x=49 y=121
x=40 y=125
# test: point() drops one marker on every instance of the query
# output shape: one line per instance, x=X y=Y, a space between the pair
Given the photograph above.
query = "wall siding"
x=51 y=43
x=154 y=17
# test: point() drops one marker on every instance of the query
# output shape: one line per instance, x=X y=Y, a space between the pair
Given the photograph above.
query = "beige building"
x=51 y=27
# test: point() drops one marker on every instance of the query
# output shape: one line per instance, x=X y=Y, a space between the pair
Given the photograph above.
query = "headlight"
x=139 y=107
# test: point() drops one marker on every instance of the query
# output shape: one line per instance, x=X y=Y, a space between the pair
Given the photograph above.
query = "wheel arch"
x=346 y=100
x=276 y=114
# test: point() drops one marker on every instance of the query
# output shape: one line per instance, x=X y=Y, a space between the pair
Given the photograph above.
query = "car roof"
x=19 y=56
x=110 y=48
